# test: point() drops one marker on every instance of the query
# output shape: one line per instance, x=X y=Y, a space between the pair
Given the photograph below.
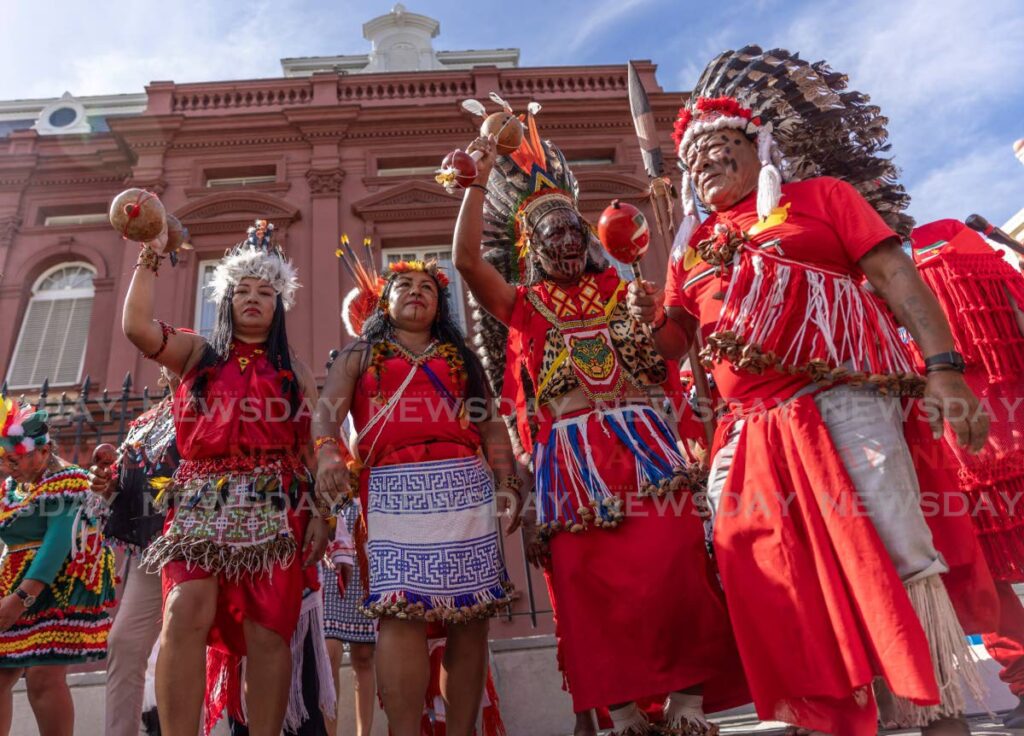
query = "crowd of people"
x=811 y=559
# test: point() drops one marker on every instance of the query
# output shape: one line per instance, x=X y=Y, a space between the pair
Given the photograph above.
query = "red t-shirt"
x=823 y=222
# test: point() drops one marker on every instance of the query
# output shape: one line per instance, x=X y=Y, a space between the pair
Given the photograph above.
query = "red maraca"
x=458 y=168
x=623 y=232
x=104 y=455
x=138 y=215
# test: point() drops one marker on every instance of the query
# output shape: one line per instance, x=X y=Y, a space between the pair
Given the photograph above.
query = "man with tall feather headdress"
x=639 y=614
x=842 y=582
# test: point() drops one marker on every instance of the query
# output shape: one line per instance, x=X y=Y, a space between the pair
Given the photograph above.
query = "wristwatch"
x=27 y=599
x=949 y=361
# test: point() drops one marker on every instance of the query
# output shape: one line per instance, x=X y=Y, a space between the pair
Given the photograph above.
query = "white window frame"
x=52 y=295
x=419 y=253
x=201 y=296
x=228 y=182
x=91 y=218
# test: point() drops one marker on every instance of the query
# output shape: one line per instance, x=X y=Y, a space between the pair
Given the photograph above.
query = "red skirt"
x=815 y=602
x=271 y=600
x=640 y=613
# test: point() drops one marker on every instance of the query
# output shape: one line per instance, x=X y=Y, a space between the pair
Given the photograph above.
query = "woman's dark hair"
x=217 y=351
x=379 y=328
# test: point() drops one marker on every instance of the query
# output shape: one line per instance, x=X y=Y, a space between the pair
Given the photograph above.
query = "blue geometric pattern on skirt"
x=342 y=619
x=430 y=488
x=437 y=568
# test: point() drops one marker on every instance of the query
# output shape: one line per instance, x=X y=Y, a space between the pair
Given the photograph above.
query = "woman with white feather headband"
x=239 y=504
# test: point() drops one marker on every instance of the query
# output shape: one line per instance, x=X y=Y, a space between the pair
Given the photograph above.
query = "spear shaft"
x=661 y=194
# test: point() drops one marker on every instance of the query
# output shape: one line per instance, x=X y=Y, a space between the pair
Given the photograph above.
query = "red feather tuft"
x=708 y=108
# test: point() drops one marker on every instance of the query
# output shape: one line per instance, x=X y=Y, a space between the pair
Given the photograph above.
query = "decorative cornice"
x=221 y=142
x=325 y=181
x=157 y=186
x=117 y=176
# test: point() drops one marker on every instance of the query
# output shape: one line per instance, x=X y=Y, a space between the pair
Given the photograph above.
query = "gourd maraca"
x=177 y=235
x=623 y=232
x=104 y=455
x=138 y=215
x=458 y=169
x=506 y=129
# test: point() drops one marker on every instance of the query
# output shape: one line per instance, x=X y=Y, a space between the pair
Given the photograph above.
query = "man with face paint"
x=639 y=614
x=841 y=584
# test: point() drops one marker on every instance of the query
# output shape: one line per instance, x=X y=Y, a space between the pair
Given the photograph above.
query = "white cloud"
x=947 y=74
x=104 y=48
x=599 y=17
x=985 y=179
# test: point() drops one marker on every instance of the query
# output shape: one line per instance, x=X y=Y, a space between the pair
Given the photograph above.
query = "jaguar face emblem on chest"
x=593 y=356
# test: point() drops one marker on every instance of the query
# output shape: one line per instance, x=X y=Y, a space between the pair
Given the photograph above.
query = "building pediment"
x=234 y=211
x=410 y=200
x=599 y=185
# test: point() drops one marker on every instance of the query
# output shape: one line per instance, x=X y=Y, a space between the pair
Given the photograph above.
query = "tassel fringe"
x=955 y=663
x=454 y=609
x=629 y=721
x=684 y=716
x=786 y=315
x=311 y=619
x=232 y=562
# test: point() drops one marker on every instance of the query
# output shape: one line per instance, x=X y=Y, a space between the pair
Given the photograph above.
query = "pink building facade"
x=319 y=153
x=319 y=156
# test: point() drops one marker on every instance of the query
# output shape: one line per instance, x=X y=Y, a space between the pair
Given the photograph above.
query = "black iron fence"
x=82 y=419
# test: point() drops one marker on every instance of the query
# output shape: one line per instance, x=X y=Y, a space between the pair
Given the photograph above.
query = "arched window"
x=55 y=330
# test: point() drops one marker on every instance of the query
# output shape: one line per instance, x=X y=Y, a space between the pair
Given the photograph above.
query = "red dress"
x=235 y=503
x=433 y=550
x=639 y=610
x=815 y=602
x=981 y=294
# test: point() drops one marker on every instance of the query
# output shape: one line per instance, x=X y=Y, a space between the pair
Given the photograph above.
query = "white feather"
x=533 y=108
x=495 y=97
x=345 y=318
x=256 y=263
x=475 y=107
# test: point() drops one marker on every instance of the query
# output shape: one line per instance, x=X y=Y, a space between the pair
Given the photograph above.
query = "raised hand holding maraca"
x=461 y=169
x=487 y=147
x=101 y=476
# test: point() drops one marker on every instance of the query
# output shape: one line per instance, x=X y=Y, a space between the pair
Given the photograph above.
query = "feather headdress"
x=257 y=257
x=523 y=187
x=806 y=124
x=365 y=298
x=22 y=430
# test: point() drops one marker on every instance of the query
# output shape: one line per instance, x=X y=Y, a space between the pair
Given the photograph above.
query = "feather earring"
x=690 y=220
x=769 y=180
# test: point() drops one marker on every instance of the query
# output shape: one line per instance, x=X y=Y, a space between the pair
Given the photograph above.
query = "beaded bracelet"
x=149 y=259
x=167 y=331
x=320 y=442
x=512 y=482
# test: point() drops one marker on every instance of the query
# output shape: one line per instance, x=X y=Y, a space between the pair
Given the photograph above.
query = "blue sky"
x=948 y=73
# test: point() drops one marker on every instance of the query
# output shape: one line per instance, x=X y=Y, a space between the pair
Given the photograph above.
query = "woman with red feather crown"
x=426 y=457
x=841 y=583
x=639 y=611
